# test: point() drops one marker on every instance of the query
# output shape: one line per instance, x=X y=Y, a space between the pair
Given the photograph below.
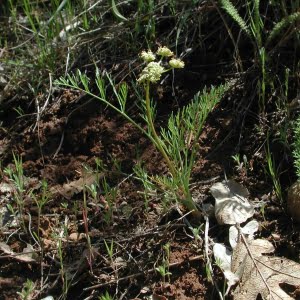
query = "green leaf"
x=116 y=12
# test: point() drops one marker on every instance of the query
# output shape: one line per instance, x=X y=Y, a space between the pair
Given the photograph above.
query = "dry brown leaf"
x=260 y=274
x=68 y=190
x=25 y=256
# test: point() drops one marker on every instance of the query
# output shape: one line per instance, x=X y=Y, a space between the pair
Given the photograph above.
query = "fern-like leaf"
x=296 y=146
x=232 y=11
x=257 y=18
x=289 y=20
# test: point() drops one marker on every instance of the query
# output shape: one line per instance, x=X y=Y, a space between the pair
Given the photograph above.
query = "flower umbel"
x=164 y=51
x=147 y=56
x=152 y=72
x=176 y=63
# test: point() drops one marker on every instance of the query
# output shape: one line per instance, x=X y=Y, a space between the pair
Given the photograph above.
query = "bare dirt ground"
x=70 y=136
x=77 y=141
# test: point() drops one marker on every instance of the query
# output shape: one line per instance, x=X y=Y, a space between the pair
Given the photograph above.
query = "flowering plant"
x=178 y=143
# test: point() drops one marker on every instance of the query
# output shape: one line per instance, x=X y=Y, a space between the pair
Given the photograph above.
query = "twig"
x=126 y=291
x=207 y=181
x=39 y=113
x=208 y=262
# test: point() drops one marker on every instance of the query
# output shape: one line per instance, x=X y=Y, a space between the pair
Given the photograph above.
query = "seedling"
x=163 y=271
x=92 y=190
x=272 y=171
x=27 y=290
x=16 y=176
x=196 y=232
x=149 y=187
x=262 y=211
x=64 y=205
x=240 y=165
x=109 y=198
x=41 y=202
x=63 y=270
x=110 y=250
x=106 y=296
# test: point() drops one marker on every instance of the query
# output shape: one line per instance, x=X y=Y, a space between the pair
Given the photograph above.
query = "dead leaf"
x=231 y=205
x=6 y=187
x=257 y=273
x=68 y=190
x=260 y=274
x=223 y=256
x=25 y=256
x=248 y=230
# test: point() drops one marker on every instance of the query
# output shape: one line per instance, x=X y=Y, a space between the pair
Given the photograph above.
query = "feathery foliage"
x=232 y=11
x=296 y=144
x=278 y=28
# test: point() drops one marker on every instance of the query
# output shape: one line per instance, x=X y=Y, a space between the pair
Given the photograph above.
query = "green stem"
x=157 y=140
x=188 y=202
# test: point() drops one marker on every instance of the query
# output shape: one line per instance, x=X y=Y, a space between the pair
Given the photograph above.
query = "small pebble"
x=75 y=236
x=276 y=237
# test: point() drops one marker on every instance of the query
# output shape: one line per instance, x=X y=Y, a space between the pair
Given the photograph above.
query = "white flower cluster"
x=153 y=71
x=164 y=51
x=176 y=63
x=148 y=56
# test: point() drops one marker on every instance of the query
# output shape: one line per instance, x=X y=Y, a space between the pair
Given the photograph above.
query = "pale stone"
x=75 y=236
x=293 y=201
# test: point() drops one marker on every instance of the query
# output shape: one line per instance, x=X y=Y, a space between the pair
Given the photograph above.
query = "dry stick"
x=253 y=259
x=37 y=124
x=198 y=257
x=102 y=239
x=126 y=291
x=39 y=113
x=39 y=243
x=207 y=256
x=67 y=62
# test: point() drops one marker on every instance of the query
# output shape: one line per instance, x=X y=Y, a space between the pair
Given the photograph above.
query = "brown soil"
x=70 y=135
x=74 y=131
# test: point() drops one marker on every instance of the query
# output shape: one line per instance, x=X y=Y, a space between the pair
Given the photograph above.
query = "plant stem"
x=157 y=140
x=182 y=193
